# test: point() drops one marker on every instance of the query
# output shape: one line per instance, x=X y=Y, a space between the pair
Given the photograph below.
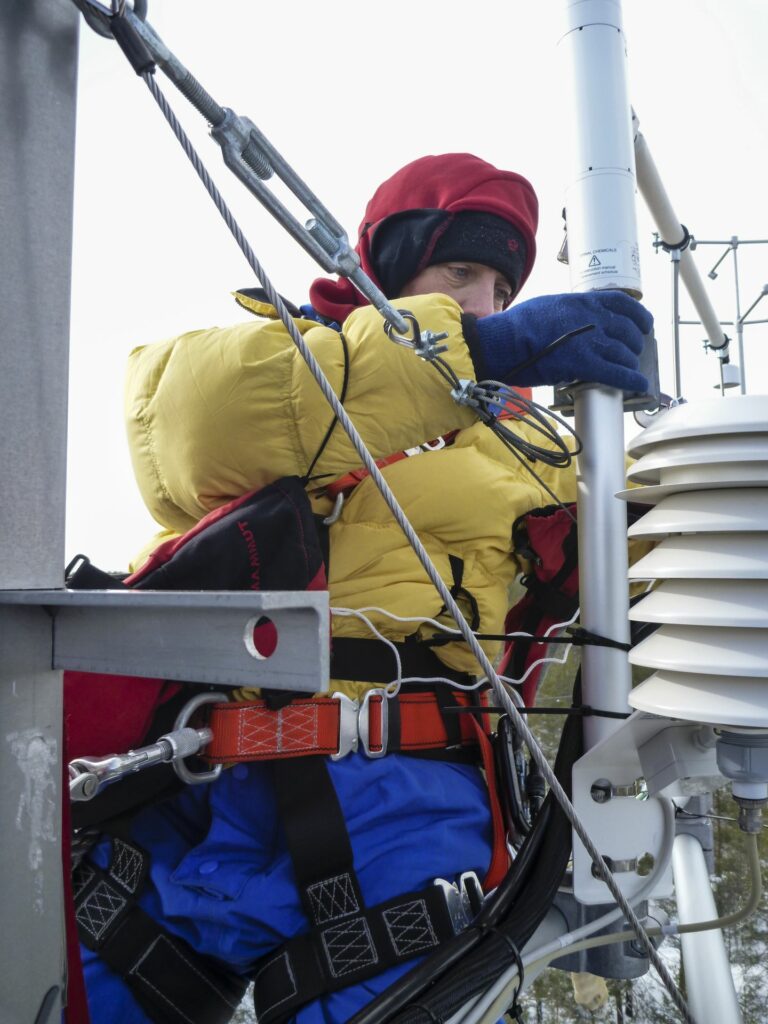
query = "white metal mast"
x=602 y=253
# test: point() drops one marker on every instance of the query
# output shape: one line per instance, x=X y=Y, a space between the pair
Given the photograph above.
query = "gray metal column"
x=38 y=74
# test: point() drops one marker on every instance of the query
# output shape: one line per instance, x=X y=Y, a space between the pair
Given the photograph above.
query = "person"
x=216 y=414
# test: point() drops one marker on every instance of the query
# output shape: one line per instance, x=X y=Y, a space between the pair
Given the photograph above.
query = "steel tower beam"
x=38 y=72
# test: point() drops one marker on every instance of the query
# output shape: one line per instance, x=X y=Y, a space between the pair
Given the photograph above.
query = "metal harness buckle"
x=463 y=900
x=355 y=723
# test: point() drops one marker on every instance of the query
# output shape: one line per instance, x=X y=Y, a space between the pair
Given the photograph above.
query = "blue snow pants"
x=221 y=877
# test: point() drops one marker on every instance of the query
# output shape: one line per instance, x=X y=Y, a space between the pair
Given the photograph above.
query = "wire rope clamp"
x=464 y=394
x=182 y=721
x=424 y=343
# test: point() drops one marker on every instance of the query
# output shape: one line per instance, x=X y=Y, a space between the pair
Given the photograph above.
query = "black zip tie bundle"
x=581 y=710
x=577 y=637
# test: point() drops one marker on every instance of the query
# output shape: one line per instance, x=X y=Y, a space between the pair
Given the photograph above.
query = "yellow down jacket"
x=214 y=414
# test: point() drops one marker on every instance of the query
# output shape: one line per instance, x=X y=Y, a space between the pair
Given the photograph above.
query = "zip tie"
x=514 y=1010
x=577 y=637
x=582 y=711
x=585 y=638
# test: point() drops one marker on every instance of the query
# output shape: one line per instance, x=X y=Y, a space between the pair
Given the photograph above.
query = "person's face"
x=478 y=289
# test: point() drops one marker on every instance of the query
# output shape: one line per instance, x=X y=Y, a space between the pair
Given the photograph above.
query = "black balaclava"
x=407 y=243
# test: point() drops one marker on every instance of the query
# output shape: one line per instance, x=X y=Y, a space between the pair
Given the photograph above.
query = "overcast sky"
x=349 y=92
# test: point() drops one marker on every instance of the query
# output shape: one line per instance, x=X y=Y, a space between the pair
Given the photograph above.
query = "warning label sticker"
x=619 y=263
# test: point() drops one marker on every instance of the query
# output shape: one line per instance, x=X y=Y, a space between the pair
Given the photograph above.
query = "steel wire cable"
x=368 y=461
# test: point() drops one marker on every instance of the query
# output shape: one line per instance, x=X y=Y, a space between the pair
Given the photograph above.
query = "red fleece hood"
x=453 y=182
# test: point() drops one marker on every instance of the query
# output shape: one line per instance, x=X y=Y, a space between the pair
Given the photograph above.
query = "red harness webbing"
x=251 y=731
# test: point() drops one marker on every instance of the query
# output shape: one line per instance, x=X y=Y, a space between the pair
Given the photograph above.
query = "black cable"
x=411 y=985
x=548 y=349
x=307 y=478
x=490 y=398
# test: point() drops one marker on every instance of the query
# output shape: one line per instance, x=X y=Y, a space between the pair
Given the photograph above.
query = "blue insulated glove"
x=521 y=345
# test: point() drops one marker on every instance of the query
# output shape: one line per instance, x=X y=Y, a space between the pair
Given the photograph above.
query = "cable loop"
x=492 y=400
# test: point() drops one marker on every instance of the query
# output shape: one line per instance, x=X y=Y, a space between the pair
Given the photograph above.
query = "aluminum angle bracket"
x=204 y=637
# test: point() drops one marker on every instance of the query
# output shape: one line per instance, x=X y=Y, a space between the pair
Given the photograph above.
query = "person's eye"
x=459 y=272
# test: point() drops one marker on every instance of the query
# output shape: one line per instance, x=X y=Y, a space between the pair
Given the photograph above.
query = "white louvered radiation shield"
x=703 y=470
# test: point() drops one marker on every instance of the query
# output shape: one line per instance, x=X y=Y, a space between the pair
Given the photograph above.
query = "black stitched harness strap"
x=172 y=983
x=352 y=944
x=347 y=942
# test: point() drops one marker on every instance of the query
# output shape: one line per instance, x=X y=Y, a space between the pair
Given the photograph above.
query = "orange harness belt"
x=251 y=731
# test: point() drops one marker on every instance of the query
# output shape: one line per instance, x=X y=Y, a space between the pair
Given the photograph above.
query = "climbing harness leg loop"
x=346 y=941
x=173 y=983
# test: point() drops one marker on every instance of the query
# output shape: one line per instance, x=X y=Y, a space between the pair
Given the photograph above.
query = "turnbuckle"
x=89 y=775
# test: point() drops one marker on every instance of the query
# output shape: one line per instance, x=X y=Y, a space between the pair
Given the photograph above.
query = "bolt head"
x=601 y=791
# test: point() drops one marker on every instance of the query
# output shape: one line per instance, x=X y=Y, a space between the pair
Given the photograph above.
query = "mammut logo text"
x=253 y=554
